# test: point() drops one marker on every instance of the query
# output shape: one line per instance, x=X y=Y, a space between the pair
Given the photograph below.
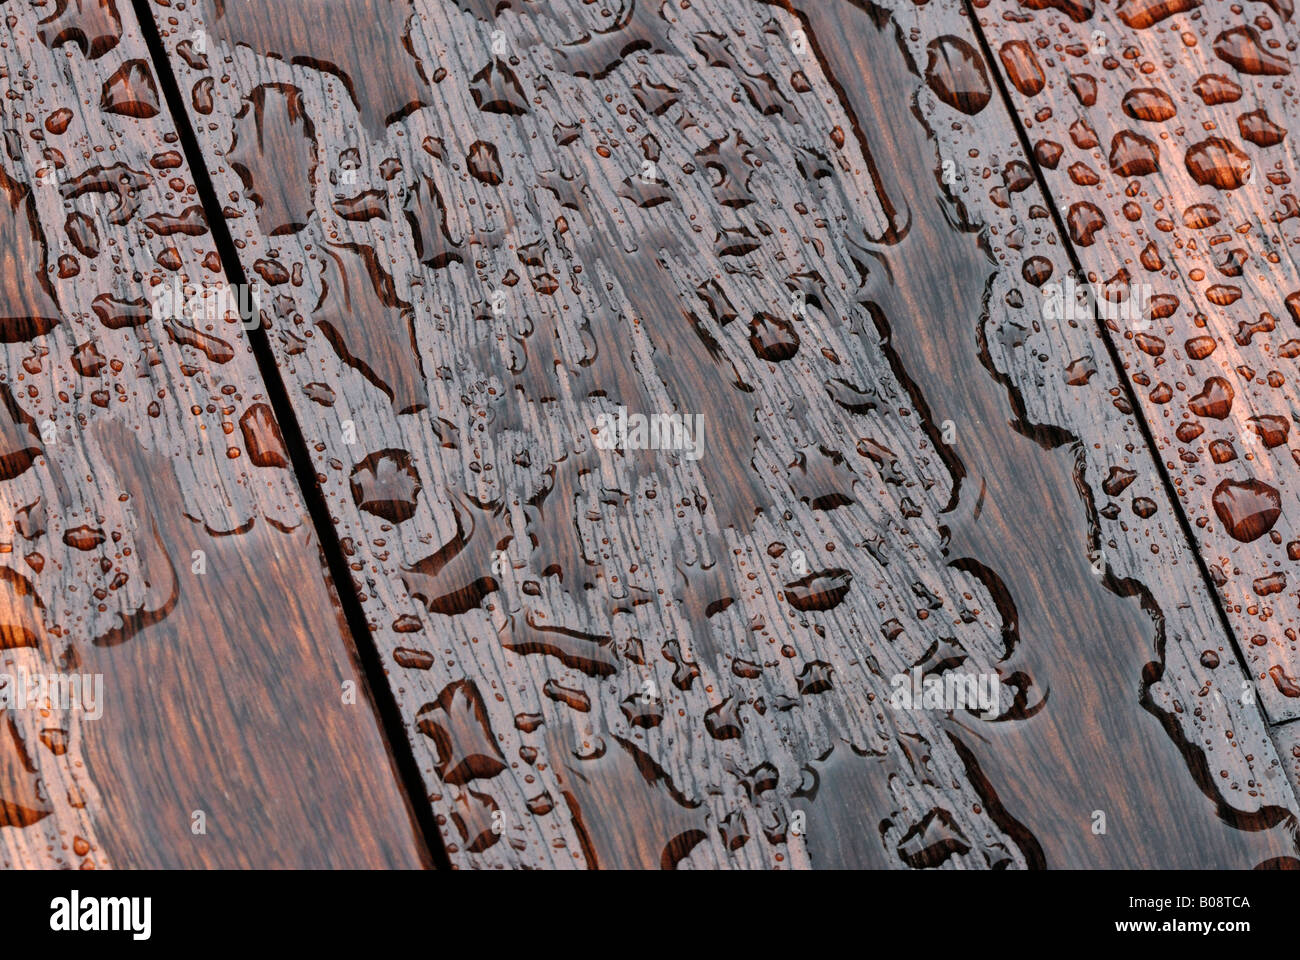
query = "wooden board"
x=538 y=214
x=153 y=541
x=1122 y=522
x=1162 y=129
x=1287 y=737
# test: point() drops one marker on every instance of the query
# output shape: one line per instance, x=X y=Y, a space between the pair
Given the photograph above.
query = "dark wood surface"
x=611 y=659
x=153 y=534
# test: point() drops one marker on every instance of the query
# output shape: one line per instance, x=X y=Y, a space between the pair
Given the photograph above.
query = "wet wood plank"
x=1161 y=131
x=535 y=217
x=153 y=540
x=1167 y=658
x=1287 y=737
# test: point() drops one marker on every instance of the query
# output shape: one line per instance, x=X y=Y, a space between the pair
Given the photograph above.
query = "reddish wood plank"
x=1161 y=130
x=151 y=537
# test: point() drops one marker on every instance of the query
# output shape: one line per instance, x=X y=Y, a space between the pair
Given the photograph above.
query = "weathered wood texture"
x=1161 y=129
x=1287 y=737
x=537 y=213
x=1166 y=657
x=151 y=534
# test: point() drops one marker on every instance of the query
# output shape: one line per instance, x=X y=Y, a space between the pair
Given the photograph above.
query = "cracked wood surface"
x=813 y=227
x=152 y=533
x=1161 y=128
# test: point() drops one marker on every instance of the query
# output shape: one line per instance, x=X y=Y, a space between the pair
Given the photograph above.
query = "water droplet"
x=957 y=76
x=1248 y=509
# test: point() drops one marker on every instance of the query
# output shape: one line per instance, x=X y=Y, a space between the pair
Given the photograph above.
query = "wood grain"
x=539 y=213
x=1165 y=125
x=1132 y=673
x=151 y=534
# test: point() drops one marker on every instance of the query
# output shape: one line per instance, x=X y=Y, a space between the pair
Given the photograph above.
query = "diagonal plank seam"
x=379 y=690
x=1140 y=417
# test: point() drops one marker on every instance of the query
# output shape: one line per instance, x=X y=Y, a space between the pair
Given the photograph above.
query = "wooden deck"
x=366 y=586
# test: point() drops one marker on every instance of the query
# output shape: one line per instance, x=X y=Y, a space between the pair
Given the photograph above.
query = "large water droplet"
x=1247 y=508
x=957 y=76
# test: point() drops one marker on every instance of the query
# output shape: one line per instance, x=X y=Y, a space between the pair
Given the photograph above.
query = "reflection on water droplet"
x=1133 y=155
x=1241 y=47
x=1214 y=401
x=386 y=484
x=1149 y=103
x=957 y=76
x=1022 y=67
x=1259 y=129
x=819 y=591
x=1215 y=89
x=1218 y=163
x=130 y=91
x=1247 y=508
